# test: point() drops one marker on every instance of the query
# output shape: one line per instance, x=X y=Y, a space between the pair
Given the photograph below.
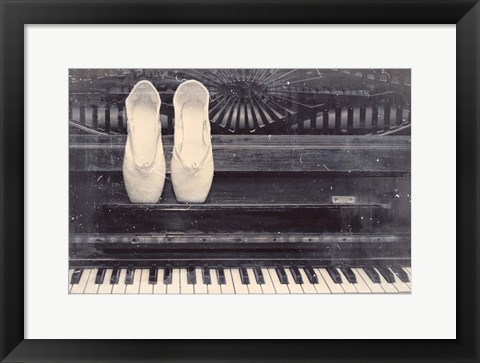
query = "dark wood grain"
x=263 y=153
x=240 y=218
x=363 y=116
x=238 y=249
x=95 y=116
x=267 y=193
x=82 y=115
x=386 y=113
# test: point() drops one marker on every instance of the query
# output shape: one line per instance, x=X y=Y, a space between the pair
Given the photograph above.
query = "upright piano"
x=311 y=191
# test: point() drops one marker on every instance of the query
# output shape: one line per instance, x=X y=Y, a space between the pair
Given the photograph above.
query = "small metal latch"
x=343 y=199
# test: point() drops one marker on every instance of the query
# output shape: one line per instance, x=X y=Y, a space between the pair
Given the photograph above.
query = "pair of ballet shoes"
x=144 y=166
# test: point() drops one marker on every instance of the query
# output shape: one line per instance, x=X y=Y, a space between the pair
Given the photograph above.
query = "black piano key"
x=130 y=275
x=257 y=271
x=221 y=276
x=167 y=275
x=207 y=279
x=115 y=276
x=386 y=273
x=311 y=275
x=370 y=271
x=153 y=275
x=76 y=276
x=349 y=274
x=244 y=276
x=297 y=277
x=282 y=275
x=335 y=275
x=100 y=276
x=400 y=272
x=191 y=277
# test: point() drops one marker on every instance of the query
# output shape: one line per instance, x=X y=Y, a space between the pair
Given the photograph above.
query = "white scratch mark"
x=179 y=80
x=326 y=167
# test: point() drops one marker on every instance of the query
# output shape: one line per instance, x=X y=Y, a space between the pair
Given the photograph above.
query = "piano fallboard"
x=238 y=249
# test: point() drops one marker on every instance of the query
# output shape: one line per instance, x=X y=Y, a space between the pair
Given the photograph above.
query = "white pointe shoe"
x=144 y=162
x=192 y=161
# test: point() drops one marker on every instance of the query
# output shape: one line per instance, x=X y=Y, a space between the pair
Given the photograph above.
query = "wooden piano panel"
x=277 y=101
x=265 y=184
x=238 y=249
x=242 y=203
x=264 y=153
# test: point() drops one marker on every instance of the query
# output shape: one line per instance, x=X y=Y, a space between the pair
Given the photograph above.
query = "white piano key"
x=106 y=287
x=185 y=287
x=408 y=269
x=200 y=287
x=375 y=288
x=293 y=286
x=399 y=284
x=70 y=273
x=361 y=285
x=267 y=287
x=321 y=287
x=214 y=287
x=388 y=287
x=135 y=287
x=253 y=287
x=307 y=287
x=160 y=287
x=279 y=287
x=334 y=288
x=174 y=287
x=348 y=287
x=228 y=288
x=145 y=287
x=237 y=282
x=120 y=287
x=80 y=287
x=91 y=287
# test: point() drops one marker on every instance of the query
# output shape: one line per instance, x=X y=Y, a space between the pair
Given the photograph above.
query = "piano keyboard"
x=245 y=280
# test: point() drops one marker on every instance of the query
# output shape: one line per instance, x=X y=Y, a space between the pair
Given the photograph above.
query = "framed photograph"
x=305 y=173
x=200 y=187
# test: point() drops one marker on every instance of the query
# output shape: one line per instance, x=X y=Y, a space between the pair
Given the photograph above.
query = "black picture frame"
x=16 y=14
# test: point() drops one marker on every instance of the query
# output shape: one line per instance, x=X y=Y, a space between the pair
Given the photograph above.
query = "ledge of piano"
x=240 y=217
x=232 y=263
x=240 y=249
